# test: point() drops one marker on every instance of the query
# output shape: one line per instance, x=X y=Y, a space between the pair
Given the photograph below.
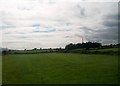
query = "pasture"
x=0 y=69
x=108 y=51
x=60 y=68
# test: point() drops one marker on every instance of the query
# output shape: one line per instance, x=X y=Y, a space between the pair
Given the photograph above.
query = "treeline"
x=82 y=48
x=87 y=45
x=92 y=48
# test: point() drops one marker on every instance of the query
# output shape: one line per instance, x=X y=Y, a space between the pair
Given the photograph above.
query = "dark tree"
x=35 y=48
x=86 y=45
x=69 y=46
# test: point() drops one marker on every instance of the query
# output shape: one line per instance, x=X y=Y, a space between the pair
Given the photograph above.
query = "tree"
x=35 y=48
x=86 y=45
x=69 y=46
x=50 y=48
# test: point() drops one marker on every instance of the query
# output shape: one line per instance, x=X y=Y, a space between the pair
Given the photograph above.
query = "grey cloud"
x=6 y=32
x=106 y=35
x=46 y=31
x=7 y=25
x=86 y=28
x=77 y=35
x=112 y=16
x=21 y=32
x=111 y=23
x=36 y=25
x=64 y=30
x=111 y=20
x=22 y=37
x=24 y=8
x=109 y=33
x=68 y=37
x=81 y=10
x=39 y=26
x=67 y=24
x=52 y=2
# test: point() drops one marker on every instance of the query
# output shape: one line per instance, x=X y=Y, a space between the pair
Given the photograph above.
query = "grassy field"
x=108 y=51
x=33 y=51
x=60 y=68
x=0 y=69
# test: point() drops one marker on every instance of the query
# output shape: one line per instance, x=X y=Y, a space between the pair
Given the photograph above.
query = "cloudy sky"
x=55 y=23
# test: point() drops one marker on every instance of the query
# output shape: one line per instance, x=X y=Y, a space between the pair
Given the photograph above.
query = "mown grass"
x=60 y=68
x=33 y=51
x=0 y=69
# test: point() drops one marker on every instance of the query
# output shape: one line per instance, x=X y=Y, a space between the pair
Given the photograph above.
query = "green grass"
x=108 y=51
x=60 y=68
x=33 y=51
x=0 y=70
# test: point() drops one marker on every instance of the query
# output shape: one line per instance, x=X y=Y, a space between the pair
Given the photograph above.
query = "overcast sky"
x=55 y=23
